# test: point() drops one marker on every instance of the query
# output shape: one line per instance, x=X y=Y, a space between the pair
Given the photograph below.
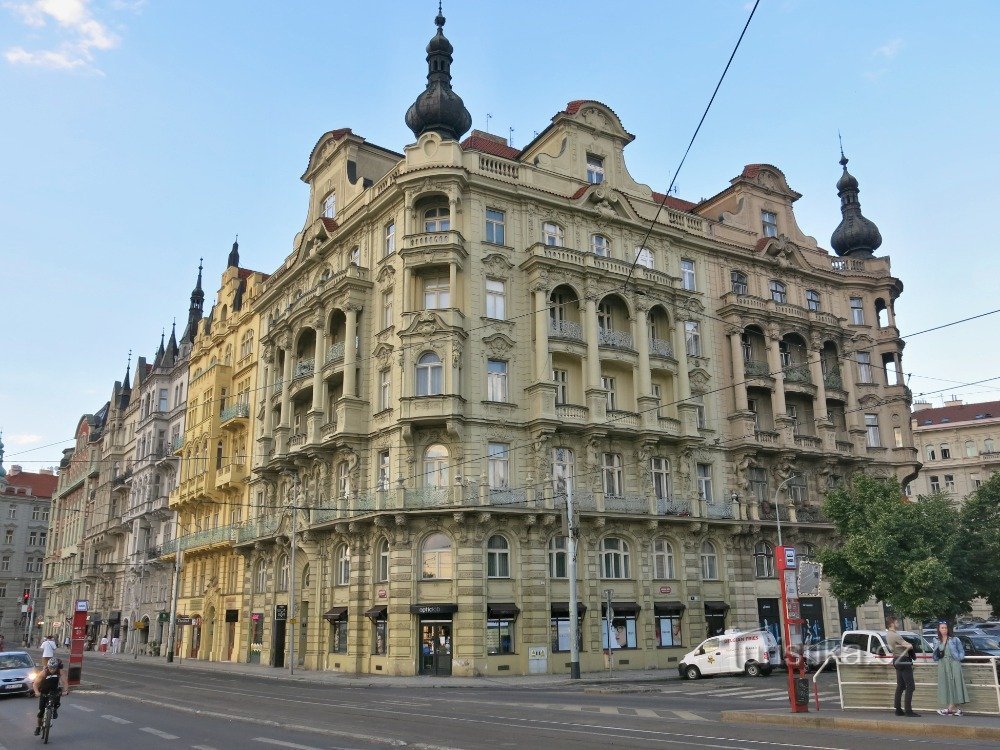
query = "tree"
x=911 y=555
x=981 y=526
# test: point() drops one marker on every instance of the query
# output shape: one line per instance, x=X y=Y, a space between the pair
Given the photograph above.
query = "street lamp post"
x=172 y=632
x=293 y=496
x=787 y=567
x=574 y=598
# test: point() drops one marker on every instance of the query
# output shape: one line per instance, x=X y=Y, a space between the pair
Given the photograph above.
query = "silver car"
x=17 y=672
x=817 y=653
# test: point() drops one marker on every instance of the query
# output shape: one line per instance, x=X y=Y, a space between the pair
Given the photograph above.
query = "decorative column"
x=596 y=396
x=774 y=368
x=685 y=408
x=543 y=369
x=640 y=334
x=453 y=285
x=407 y=291
x=853 y=417
x=816 y=372
x=286 y=383
x=351 y=350
x=739 y=371
x=317 y=415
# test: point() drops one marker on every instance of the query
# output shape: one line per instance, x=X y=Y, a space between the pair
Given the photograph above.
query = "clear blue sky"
x=138 y=136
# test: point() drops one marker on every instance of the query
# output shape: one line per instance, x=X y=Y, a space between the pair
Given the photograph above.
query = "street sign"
x=280 y=612
x=789 y=557
x=183 y=620
x=82 y=605
x=665 y=589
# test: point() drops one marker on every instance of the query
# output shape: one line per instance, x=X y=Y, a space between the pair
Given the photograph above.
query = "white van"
x=754 y=652
x=872 y=646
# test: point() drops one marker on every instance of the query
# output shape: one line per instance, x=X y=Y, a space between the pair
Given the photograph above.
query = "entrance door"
x=435 y=647
x=278 y=646
x=230 y=639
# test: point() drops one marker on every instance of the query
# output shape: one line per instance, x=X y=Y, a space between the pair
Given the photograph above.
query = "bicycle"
x=50 y=708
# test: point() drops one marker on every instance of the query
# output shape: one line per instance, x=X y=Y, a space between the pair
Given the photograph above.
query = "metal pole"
x=574 y=599
x=291 y=586
x=609 y=613
x=172 y=633
x=34 y=606
x=777 y=510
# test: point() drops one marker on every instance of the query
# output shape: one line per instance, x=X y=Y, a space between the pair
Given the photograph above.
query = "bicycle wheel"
x=46 y=723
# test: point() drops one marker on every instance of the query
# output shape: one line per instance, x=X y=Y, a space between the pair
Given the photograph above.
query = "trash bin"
x=802 y=691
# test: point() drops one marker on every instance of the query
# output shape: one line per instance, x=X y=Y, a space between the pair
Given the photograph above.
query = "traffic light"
x=26 y=596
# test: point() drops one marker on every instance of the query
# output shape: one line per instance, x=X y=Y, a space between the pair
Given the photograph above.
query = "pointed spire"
x=172 y=344
x=439 y=109
x=196 y=308
x=159 y=352
x=127 y=382
x=855 y=236
x=234 y=254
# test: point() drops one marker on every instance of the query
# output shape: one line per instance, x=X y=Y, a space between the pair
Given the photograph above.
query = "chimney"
x=47 y=471
x=953 y=401
x=15 y=470
x=921 y=405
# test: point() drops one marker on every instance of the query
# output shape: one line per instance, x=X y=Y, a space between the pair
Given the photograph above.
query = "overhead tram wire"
x=694 y=135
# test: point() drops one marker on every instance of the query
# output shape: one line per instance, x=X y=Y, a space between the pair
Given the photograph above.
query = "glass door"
x=435 y=647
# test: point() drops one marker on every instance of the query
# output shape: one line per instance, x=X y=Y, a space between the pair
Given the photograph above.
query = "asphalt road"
x=156 y=706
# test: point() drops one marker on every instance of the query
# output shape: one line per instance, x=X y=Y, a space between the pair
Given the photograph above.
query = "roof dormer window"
x=330 y=206
x=769 y=223
x=595 y=169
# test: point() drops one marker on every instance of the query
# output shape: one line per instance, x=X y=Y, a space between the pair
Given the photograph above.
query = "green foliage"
x=913 y=556
x=981 y=527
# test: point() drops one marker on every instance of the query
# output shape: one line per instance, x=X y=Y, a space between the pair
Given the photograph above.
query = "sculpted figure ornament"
x=746 y=462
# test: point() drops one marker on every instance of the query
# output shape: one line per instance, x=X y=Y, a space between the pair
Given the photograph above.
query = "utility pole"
x=172 y=637
x=574 y=599
x=291 y=582
x=610 y=614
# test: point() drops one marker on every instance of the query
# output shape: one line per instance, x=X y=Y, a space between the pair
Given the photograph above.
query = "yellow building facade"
x=211 y=499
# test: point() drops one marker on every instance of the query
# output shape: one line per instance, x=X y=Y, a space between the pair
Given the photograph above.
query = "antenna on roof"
x=488 y=118
x=841 y=142
x=510 y=137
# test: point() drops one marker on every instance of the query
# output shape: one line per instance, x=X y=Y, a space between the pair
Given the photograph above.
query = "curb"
x=885 y=726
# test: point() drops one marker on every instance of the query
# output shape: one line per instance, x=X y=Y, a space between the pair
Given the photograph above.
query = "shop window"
x=497 y=557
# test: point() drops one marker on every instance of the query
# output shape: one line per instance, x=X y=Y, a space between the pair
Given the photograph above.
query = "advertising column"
x=792 y=616
x=79 y=640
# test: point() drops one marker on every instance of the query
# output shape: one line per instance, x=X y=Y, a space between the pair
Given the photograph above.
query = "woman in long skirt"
x=948 y=653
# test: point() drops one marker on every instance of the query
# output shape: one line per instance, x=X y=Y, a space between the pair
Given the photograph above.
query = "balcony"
x=121 y=480
x=565 y=329
x=572 y=413
x=430 y=497
x=559 y=258
x=615 y=339
x=668 y=506
x=661 y=348
x=797 y=373
x=434 y=248
x=304 y=368
x=719 y=510
x=623 y=420
x=833 y=380
x=230 y=476
x=430 y=408
x=259 y=528
x=755 y=368
x=767 y=437
x=335 y=353
x=234 y=416
x=177 y=444
x=200 y=539
x=740 y=304
x=809 y=442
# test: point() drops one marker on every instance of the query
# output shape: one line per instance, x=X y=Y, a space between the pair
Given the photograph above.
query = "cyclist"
x=52 y=679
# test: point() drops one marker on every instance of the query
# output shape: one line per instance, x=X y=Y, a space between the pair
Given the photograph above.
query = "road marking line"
x=688 y=715
x=646 y=712
x=158 y=733
x=282 y=743
x=115 y=719
x=202 y=747
x=81 y=708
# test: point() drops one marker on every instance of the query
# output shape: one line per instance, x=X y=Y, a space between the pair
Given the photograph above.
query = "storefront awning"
x=433 y=609
x=668 y=608
x=335 y=614
x=561 y=609
x=623 y=609
x=504 y=611
x=378 y=612
x=716 y=607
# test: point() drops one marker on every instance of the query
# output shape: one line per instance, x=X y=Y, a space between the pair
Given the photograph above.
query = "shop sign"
x=665 y=589
x=183 y=620
x=538 y=652
x=382 y=593
x=280 y=612
x=82 y=605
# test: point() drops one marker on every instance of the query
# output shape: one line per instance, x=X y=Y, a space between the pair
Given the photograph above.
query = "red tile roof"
x=678 y=204
x=40 y=485
x=574 y=106
x=958 y=413
x=579 y=192
x=330 y=224
x=490 y=144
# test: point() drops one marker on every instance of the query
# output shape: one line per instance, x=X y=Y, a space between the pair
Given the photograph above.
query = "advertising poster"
x=768 y=617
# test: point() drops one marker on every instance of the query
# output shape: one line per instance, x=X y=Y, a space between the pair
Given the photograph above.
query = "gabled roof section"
x=39 y=485
x=490 y=144
x=768 y=177
x=589 y=111
x=678 y=204
x=943 y=415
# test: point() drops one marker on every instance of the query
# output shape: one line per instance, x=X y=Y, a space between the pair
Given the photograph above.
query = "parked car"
x=871 y=646
x=818 y=653
x=17 y=672
x=979 y=645
x=754 y=652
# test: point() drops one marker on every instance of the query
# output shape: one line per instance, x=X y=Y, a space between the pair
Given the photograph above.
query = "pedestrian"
x=902 y=660
x=1 y=641
x=115 y=642
x=104 y=644
x=48 y=648
x=948 y=653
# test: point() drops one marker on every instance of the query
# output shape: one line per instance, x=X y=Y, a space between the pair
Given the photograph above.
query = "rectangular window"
x=498 y=466
x=661 y=478
x=658 y=395
x=611 y=397
x=552 y=234
x=692 y=338
x=611 y=474
x=949 y=482
x=668 y=631
x=163 y=400
x=496 y=380
x=688 y=280
x=561 y=378
x=383 y=470
x=758 y=484
x=5 y=563
x=389 y=246
x=496 y=299
x=793 y=413
x=32 y=538
x=387 y=316
x=12 y=512
x=857 y=311
x=595 y=169
x=705 y=482
x=945 y=451
x=975 y=481
x=623 y=632
x=935 y=484
x=865 y=372
x=35 y=513
x=812 y=300
x=769 y=222
x=871 y=427
x=701 y=418
x=495 y=229
x=897 y=437
x=500 y=636
x=384 y=389
x=380 y=634
x=8 y=536
x=436 y=293
x=559 y=630
x=330 y=206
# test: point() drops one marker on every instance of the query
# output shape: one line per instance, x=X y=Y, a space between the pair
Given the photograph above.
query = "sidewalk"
x=885 y=722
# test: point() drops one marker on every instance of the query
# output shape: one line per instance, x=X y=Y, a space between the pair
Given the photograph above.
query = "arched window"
x=306 y=578
x=931 y=453
x=437 y=219
x=763 y=560
x=282 y=583
x=330 y=206
x=779 y=292
x=614 y=558
x=246 y=344
x=552 y=234
x=741 y=284
x=709 y=562
x=382 y=563
x=260 y=577
x=430 y=375
x=435 y=557
x=497 y=557
x=600 y=245
x=436 y=467
x=343 y=558
x=663 y=559
x=557 y=557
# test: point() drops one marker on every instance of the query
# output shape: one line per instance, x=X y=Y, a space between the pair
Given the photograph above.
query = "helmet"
x=53 y=663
